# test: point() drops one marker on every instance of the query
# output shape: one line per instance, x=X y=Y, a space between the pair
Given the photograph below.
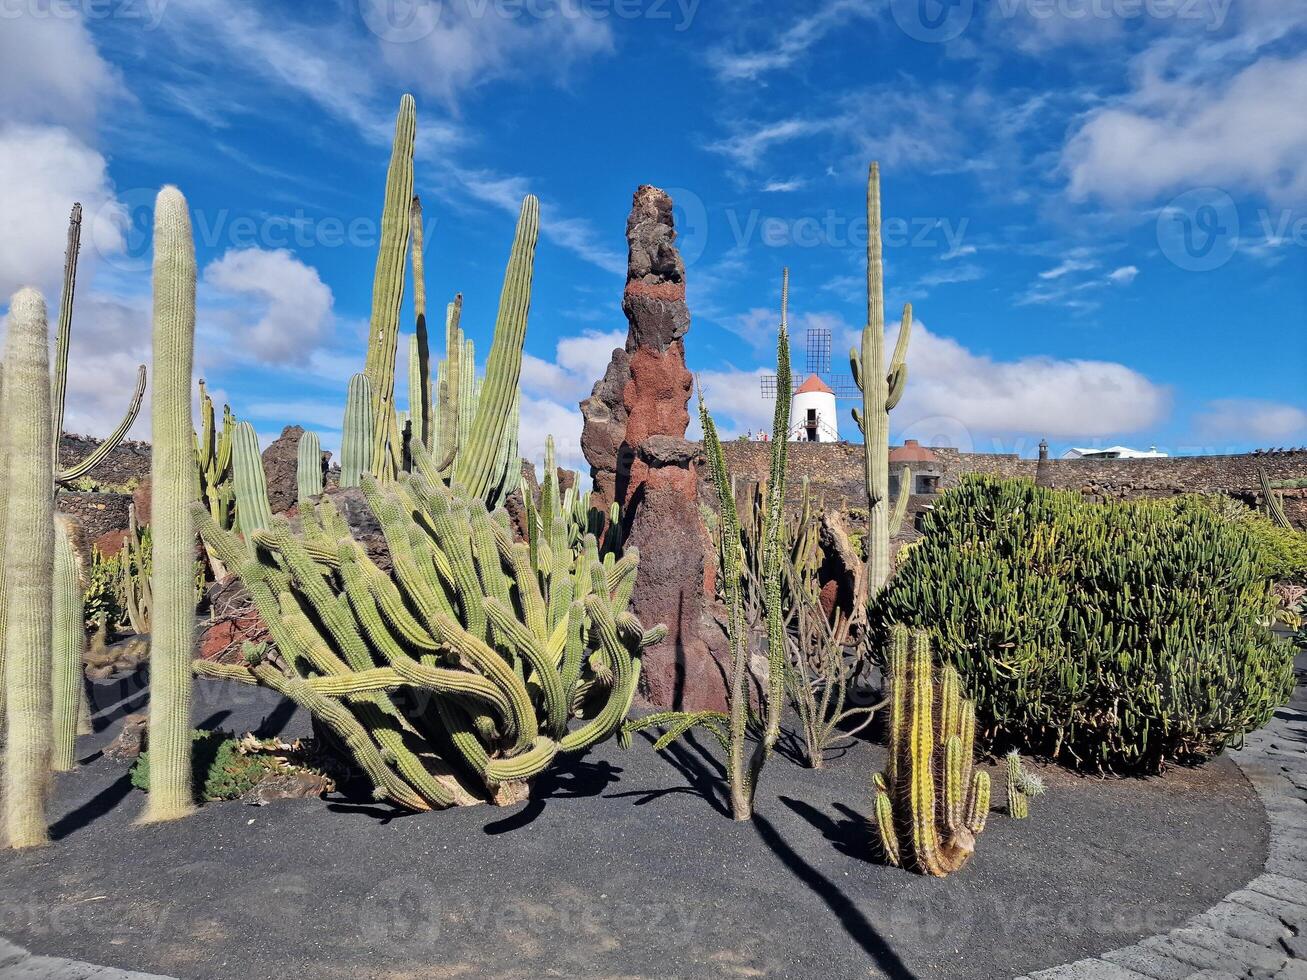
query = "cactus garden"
x=368 y=650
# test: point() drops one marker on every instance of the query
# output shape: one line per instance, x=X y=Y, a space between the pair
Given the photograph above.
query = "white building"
x=813 y=417
x=1114 y=452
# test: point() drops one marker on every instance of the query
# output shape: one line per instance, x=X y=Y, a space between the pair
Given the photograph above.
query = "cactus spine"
x=173 y=532
x=29 y=570
x=308 y=469
x=929 y=805
x=881 y=391
x=59 y=379
x=69 y=639
x=388 y=292
x=253 y=513
x=478 y=468
x=356 y=436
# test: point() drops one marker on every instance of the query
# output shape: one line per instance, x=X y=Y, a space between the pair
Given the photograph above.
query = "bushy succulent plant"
x=1117 y=636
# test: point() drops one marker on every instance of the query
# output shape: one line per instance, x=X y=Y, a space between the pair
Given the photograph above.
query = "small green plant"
x=101 y=602
x=1022 y=786
x=222 y=768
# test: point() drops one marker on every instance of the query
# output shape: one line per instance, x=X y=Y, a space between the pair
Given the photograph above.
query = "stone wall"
x=102 y=516
x=129 y=462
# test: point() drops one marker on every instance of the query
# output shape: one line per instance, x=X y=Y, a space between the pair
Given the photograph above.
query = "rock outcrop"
x=634 y=439
x=280 y=466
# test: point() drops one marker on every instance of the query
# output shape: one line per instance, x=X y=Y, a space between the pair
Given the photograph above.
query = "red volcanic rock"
x=634 y=439
x=110 y=543
x=141 y=501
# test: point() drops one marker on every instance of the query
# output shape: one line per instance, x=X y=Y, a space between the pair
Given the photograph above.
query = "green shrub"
x=1116 y=637
x=1283 y=550
x=220 y=771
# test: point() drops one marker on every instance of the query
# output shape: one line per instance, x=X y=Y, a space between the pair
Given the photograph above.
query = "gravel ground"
x=624 y=865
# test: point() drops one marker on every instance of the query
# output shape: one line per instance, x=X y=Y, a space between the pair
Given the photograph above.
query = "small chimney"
x=1043 y=450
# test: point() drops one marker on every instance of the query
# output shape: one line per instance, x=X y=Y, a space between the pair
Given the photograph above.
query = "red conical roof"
x=813 y=383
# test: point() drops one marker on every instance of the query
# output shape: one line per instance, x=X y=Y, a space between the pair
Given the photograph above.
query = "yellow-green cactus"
x=69 y=639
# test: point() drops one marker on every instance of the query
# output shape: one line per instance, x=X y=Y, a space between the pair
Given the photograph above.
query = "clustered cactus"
x=494 y=648
x=213 y=461
x=882 y=387
x=929 y=804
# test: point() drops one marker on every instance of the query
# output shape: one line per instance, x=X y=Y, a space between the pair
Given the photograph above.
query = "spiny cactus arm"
x=955 y=790
x=485 y=556
x=626 y=673
x=59 y=373
x=452 y=382
x=308 y=469
x=357 y=682
x=677 y=723
x=172 y=528
x=28 y=556
x=115 y=438
x=884 y=807
x=69 y=626
x=517 y=638
x=773 y=546
x=520 y=719
x=420 y=407
x=978 y=803
x=1273 y=501
x=517 y=555
x=895 y=523
x=388 y=288
x=474 y=468
x=898 y=370
x=356 y=437
x=917 y=767
x=253 y=512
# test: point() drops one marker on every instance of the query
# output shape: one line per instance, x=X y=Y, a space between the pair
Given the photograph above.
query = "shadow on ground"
x=624 y=863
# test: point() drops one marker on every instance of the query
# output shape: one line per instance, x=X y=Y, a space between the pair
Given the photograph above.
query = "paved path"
x=17 y=963
x=1260 y=931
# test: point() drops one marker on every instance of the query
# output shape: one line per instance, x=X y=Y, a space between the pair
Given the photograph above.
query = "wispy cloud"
x=792 y=43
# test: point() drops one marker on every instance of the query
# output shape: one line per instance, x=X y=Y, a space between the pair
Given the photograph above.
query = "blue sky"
x=1097 y=207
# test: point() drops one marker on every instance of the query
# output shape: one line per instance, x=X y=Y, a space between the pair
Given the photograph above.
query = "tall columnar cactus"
x=59 y=379
x=29 y=570
x=213 y=460
x=1272 y=501
x=881 y=390
x=356 y=434
x=480 y=467
x=388 y=292
x=69 y=642
x=308 y=469
x=729 y=728
x=929 y=805
x=172 y=468
x=419 y=352
x=253 y=512
x=499 y=652
x=449 y=389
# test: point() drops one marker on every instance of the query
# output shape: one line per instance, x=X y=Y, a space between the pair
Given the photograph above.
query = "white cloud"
x=1067 y=267
x=784 y=186
x=472 y=43
x=43 y=171
x=1246 y=132
x=1125 y=275
x=292 y=303
x=790 y=44
x=50 y=70
x=1251 y=419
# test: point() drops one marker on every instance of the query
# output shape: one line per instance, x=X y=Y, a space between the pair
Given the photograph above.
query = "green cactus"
x=449 y=388
x=881 y=390
x=356 y=436
x=419 y=351
x=29 y=570
x=308 y=469
x=1272 y=501
x=134 y=569
x=929 y=804
x=480 y=466
x=500 y=652
x=59 y=379
x=253 y=512
x=172 y=466
x=69 y=642
x=1022 y=786
x=388 y=292
x=729 y=728
x=213 y=461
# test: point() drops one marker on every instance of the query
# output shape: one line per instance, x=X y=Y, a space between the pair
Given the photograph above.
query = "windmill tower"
x=814 y=412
